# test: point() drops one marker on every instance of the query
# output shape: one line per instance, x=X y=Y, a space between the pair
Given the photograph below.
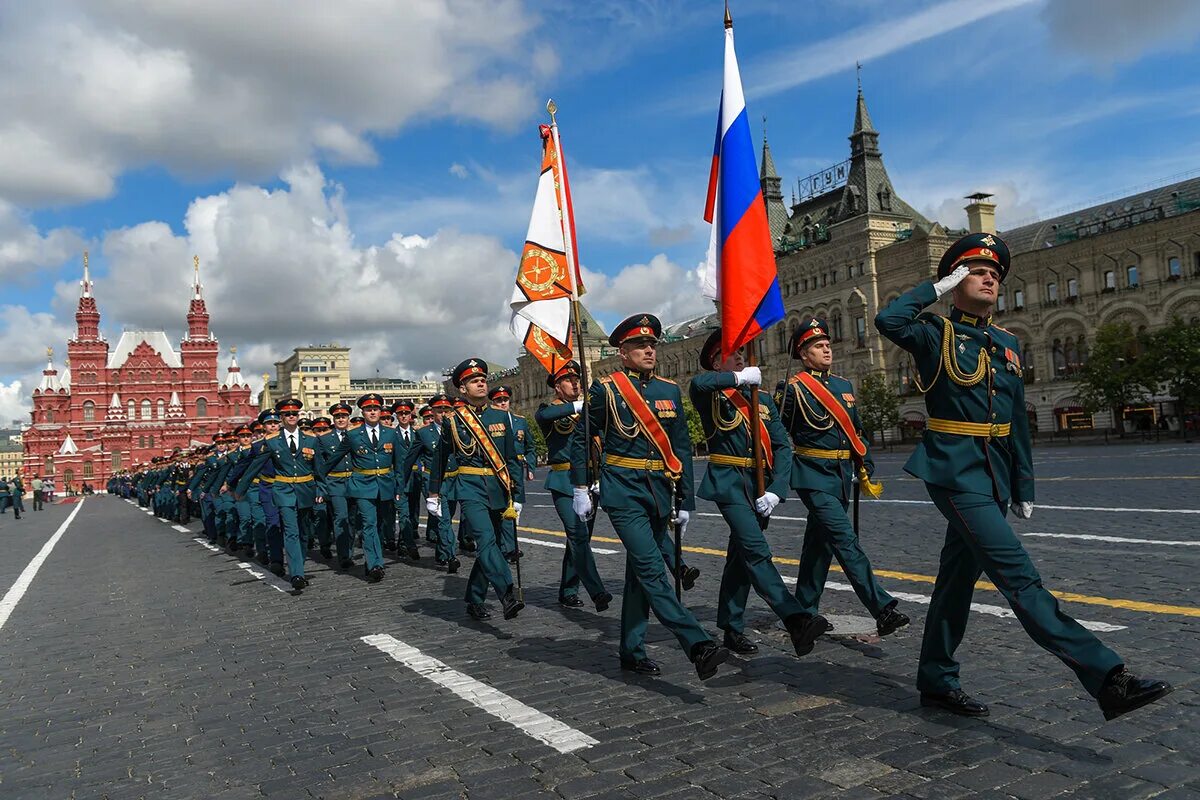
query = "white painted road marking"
x=603 y=551
x=181 y=529
x=1039 y=507
x=527 y=719
x=982 y=608
x=18 y=589
x=269 y=580
x=1097 y=538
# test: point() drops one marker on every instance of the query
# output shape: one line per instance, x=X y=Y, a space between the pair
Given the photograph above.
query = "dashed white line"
x=181 y=529
x=1091 y=537
x=603 y=551
x=1039 y=507
x=18 y=589
x=529 y=720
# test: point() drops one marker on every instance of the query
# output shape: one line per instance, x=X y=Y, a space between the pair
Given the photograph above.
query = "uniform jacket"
x=362 y=458
x=419 y=460
x=336 y=484
x=557 y=420
x=729 y=484
x=1000 y=466
x=307 y=463
x=611 y=420
x=809 y=425
x=458 y=443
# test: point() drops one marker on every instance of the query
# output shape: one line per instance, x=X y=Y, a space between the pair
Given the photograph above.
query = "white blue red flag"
x=740 y=273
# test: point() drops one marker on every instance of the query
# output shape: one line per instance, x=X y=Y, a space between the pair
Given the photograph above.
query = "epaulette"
x=270 y=436
x=520 y=417
x=605 y=380
x=666 y=380
x=1001 y=328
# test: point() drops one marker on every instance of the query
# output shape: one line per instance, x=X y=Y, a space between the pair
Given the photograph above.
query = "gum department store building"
x=111 y=408
x=850 y=245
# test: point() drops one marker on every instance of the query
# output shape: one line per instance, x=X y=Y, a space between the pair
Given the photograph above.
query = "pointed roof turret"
x=772 y=189
x=87 y=315
x=115 y=412
x=233 y=375
x=68 y=447
x=49 y=381
x=86 y=283
x=197 y=316
x=265 y=401
x=175 y=408
x=64 y=380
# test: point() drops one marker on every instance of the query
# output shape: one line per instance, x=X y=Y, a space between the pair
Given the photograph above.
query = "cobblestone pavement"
x=140 y=663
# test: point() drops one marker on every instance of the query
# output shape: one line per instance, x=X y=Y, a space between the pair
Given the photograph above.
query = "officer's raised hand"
x=748 y=376
x=953 y=279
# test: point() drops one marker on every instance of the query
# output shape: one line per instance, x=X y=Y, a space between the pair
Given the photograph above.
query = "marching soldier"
x=241 y=535
x=646 y=470
x=820 y=415
x=489 y=485
x=558 y=420
x=418 y=465
x=297 y=485
x=500 y=399
x=431 y=531
x=373 y=453
x=263 y=487
x=337 y=477
x=721 y=396
x=322 y=523
x=408 y=505
x=977 y=463
x=466 y=541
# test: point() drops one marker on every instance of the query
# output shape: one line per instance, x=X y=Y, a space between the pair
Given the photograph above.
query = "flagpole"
x=560 y=188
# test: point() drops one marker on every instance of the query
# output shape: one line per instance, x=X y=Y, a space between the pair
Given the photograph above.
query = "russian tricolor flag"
x=740 y=274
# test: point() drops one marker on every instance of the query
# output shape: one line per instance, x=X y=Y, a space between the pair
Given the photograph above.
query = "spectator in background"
x=37 y=493
x=5 y=495
x=18 y=496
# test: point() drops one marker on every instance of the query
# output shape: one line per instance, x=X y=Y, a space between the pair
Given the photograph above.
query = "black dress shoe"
x=221 y=541
x=570 y=601
x=299 y=582
x=327 y=553
x=347 y=563
x=467 y=546
x=688 y=578
x=803 y=629
x=602 y=601
x=478 y=611
x=956 y=701
x=737 y=642
x=441 y=562
x=277 y=568
x=263 y=559
x=375 y=574
x=890 y=620
x=707 y=656
x=512 y=605
x=1123 y=692
x=642 y=666
x=414 y=554
x=452 y=565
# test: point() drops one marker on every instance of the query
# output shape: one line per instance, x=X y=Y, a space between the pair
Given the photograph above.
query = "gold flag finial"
x=50 y=352
x=196 y=265
x=233 y=350
x=552 y=109
x=728 y=17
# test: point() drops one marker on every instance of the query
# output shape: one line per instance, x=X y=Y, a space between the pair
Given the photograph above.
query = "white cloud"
x=661 y=287
x=1109 y=32
x=24 y=251
x=14 y=407
x=458 y=170
x=93 y=89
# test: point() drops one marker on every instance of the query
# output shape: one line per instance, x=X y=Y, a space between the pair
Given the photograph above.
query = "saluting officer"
x=721 y=396
x=558 y=419
x=647 y=463
x=820 y=414
x=298 y=483
x=976 y=460
x=489 y=485
x=418 y=465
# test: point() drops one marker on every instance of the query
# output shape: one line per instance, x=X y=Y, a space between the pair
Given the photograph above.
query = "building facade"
x=112 y=408
x=319 y=376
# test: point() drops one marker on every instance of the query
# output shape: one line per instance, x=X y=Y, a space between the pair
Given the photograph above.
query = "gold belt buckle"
x=993 y=431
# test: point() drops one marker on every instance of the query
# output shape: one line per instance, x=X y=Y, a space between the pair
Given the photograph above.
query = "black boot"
x=956 y=701
x=452 y=565
x=277 y=568
x=803 y=629
x=299 y=582
x=707 y=656
x=1123 y=692
x=738 y=643
x=478 y=611
x=570 y=601
x=688 y=576
x=642 y=666
x=890 y=620
x=512 y=606
x=602 y=601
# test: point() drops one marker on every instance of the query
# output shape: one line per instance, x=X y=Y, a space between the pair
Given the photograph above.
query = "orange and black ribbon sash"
x=495 y=460
x=648 y=423
x=841 y=416
x=742 y=405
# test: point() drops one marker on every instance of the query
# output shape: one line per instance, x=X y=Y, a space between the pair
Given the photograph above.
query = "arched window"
x=1174 y=269
x=1110 y=280
x=1071 y=355
x=48 y=465
x=836 y=324
x=1027 y=362
x=1131 y=276
x=151 y=443
x=87 y=469
x=201 y=407
x=141 y=441
x=1052 y=292
x=89 y=411
x=50 y=415
x=161 y=409
x=1060 y=361
x=68 y=476
x=1019 y=299
x=1072 y=288
x=901 y=379
x=1081 y=347
x=132 y=410
x=145 y=409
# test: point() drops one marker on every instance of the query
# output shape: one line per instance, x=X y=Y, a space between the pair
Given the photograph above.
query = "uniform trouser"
x=979 y=539
x=266 y=498
x=483 y=525
x=371 y=512
x=258 y=523
x=293 y=519
x=464 y=531
x=37 y=500
x=226 y=517
x=385 y=525
x=829 y=534
x=748 y=564
x=646 y=585
x=442 y=531
x=208 y=516
x=245 y=531
x=579 y=564
x=339 y=521
x=323 y=525
x=184 y=506
x=408 y=510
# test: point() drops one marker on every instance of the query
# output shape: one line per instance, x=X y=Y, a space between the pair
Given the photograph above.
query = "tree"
x=1172 y=359
x=1112 y=378
x=695 y=427
x=539 y=441
x=878 y=405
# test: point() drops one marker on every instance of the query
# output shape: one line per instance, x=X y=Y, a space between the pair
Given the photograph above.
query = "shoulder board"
x=666 y=380
x=518 y=416
x=270 y=436
x=605 y=380
x=1006 y=330
x=840 y=377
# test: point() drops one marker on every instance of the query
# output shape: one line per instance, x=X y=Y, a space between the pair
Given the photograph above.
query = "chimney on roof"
x=981 y=213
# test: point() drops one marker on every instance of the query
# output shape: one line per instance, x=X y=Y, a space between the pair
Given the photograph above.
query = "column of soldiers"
x=273 y=490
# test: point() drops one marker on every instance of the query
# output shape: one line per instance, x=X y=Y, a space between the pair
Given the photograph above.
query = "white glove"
x=681 y=521
x=1022 y=510
x=766 y=504
x=517 y=508
x=750 y=376
x=581 y=502
x=953 y=279
x=578 y=406
x=434 y=506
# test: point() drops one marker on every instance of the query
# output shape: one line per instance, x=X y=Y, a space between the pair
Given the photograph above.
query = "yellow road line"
x=1070 y=597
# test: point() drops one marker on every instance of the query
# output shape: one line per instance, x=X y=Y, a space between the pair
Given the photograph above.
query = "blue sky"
x=379 y=166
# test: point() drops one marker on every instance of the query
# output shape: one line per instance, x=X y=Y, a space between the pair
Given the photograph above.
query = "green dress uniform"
x=729 y=482
x=337 y=479
x=418 y=465
x=558 y=421
x=822 y=470
x=299 y=480
x=411 y=491
x=374 y=456
x=638 y=496
x=975 y=457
